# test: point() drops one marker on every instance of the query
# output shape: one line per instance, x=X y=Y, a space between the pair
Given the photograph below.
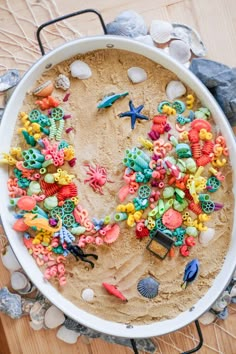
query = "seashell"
x=67 y=335
x=175 y=89
x=180 y=51
x=129 y=24
x=19 y=225
x=145 y=39
x=206 y=236
x=148 y=287
x=112 y=234
x=36 y=327
x=80 y=70
x=26 y=203
x=161 y=31
x=9 y=79
x=62 y=82
x=233 y=291
x=87 y=295
x=53 y=317
x=9 y=260
x=10 y=304
x=137 y=74
x=207 y=318
x=44 y=90
x=20 y=283
x=191 y=37
x=221 y=302
x=37 y=313
x=27 y=304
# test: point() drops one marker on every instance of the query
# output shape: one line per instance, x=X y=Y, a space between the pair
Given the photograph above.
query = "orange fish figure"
x=112 y=289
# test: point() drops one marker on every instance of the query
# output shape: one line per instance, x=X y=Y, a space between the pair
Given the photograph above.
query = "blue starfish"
x=134 y=114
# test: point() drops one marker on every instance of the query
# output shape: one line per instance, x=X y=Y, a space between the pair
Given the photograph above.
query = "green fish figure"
x=108 y=101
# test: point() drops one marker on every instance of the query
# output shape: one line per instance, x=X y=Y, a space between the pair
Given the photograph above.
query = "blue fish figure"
x=190 y=273
x=108 y=101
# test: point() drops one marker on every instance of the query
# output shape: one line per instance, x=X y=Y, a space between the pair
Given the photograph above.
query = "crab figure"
x=78 y=253
x=98 y=177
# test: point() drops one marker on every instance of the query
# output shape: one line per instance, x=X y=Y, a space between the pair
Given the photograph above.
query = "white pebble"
x=67 y=335
x=54 y=317
x=137 y=74
x=87 y=295
x=80 y=70
x=9 y=260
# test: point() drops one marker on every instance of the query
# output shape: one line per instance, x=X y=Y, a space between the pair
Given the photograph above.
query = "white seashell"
x=127 y=23
x=20 y=282
x=36 y=327
x=175 y=89
x=87 y=295
x=53 y=317
x=80 y=70
x=206 y=236
x=62 y=82
x=9 y=260
x=233 y=291
x=67 y=335
x=137 y=74
x=145 y=39
x=37 y=313
x=180 y=51
x=160 y=31
x=207 y=318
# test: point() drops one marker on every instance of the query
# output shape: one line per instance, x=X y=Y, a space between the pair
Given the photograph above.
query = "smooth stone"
x=221 y=82
x=206 y=236
x=53 y=317
x=9 y=260
x=36 y=327
x=129 y=24
x=207 y=318
x=66 y=335
x=10 y=304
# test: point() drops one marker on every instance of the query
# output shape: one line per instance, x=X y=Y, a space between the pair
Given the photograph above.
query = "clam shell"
x=9 y=260
x=53 y=317
x=180 y=51
x=80 y=70
x=129 y=24
x=191 y=37
x=206 y=236
x=26 y=203
x=148 y=287
x=62 y=82
x=67 y=335
x=44 y=90
x=161 y=31
x=87 y=295
x=20 y=282
x=175 y=89
x=145 y=39
x=137 y=75
x=207 y=318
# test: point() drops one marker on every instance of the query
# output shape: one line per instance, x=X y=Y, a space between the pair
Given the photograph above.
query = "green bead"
x=144 y=191
x=34 y=116
x=179 y=106
x=57 y=113
x=68 y=206
x=160 y=106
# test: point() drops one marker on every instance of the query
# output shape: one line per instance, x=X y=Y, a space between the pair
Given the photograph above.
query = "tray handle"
x=64 y=18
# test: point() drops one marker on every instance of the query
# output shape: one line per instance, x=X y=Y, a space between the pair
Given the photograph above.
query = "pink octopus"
x=98 y=177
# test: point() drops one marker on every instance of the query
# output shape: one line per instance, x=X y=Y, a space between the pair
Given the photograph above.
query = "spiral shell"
x=160 y=31
x=180 y=51
x=175 y=89
x=148 y=287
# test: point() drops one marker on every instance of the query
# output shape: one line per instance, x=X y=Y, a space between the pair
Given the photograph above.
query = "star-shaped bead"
x=134 y=114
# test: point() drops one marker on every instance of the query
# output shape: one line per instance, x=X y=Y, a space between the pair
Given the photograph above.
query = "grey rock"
x=9 y=80
x=10 y=304
x=127 y=23
x=221 y=82
x=142 y=344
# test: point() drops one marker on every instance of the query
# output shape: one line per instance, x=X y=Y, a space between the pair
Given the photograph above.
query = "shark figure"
x=108 y=101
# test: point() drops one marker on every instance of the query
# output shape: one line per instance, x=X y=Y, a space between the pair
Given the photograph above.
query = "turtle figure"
x=78 y=253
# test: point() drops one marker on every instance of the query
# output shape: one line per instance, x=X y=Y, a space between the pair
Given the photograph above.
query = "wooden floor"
x=215 y=20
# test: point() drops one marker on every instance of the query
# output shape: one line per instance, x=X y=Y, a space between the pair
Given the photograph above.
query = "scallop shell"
x=180 y=51
x=62 y=82
x=87 y=295
x=53 y=317
x=148 y=287
x=112 y=234
x=161 y=31
x=67 y=335
x=137 y=75
x=206 y=236
x=175 y=89
x=26 y=203
x=80 y=70
x=191 y=37
x=129 y=24
x=44 y=90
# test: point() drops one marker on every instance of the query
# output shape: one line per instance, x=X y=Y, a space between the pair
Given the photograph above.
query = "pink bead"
x=90 y=239
x=98 y=241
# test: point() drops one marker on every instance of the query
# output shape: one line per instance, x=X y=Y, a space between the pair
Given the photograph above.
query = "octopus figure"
x=98 y=177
